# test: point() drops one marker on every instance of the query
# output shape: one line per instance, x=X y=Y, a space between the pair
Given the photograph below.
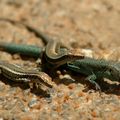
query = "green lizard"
x=96 y=69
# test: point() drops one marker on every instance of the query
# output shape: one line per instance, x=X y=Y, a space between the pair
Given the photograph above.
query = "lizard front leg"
x=91 y=79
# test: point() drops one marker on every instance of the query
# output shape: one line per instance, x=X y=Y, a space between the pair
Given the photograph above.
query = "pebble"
x=2 y=87
x=21 y=105
x=10 y=104
x=33 y=102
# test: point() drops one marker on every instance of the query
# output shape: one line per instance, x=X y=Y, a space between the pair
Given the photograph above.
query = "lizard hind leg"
x=91 y=79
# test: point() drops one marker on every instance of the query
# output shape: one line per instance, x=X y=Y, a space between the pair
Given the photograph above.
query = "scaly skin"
x=57 y=56
x=28 y=50
x=18 y=74
x=96 y=69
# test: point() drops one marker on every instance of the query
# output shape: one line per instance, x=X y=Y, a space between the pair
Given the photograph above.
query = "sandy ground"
x=91 y=24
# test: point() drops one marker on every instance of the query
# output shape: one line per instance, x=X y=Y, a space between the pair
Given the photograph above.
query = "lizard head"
x=114 y=71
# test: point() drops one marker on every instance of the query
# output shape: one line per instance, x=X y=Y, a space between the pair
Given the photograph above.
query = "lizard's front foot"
x=92 y=79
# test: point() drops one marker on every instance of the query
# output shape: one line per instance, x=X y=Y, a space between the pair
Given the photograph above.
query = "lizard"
x=19 y=74
x=96 y=69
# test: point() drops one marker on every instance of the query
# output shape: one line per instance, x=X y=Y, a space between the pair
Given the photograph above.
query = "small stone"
x=33 y=102
x=2 y=87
